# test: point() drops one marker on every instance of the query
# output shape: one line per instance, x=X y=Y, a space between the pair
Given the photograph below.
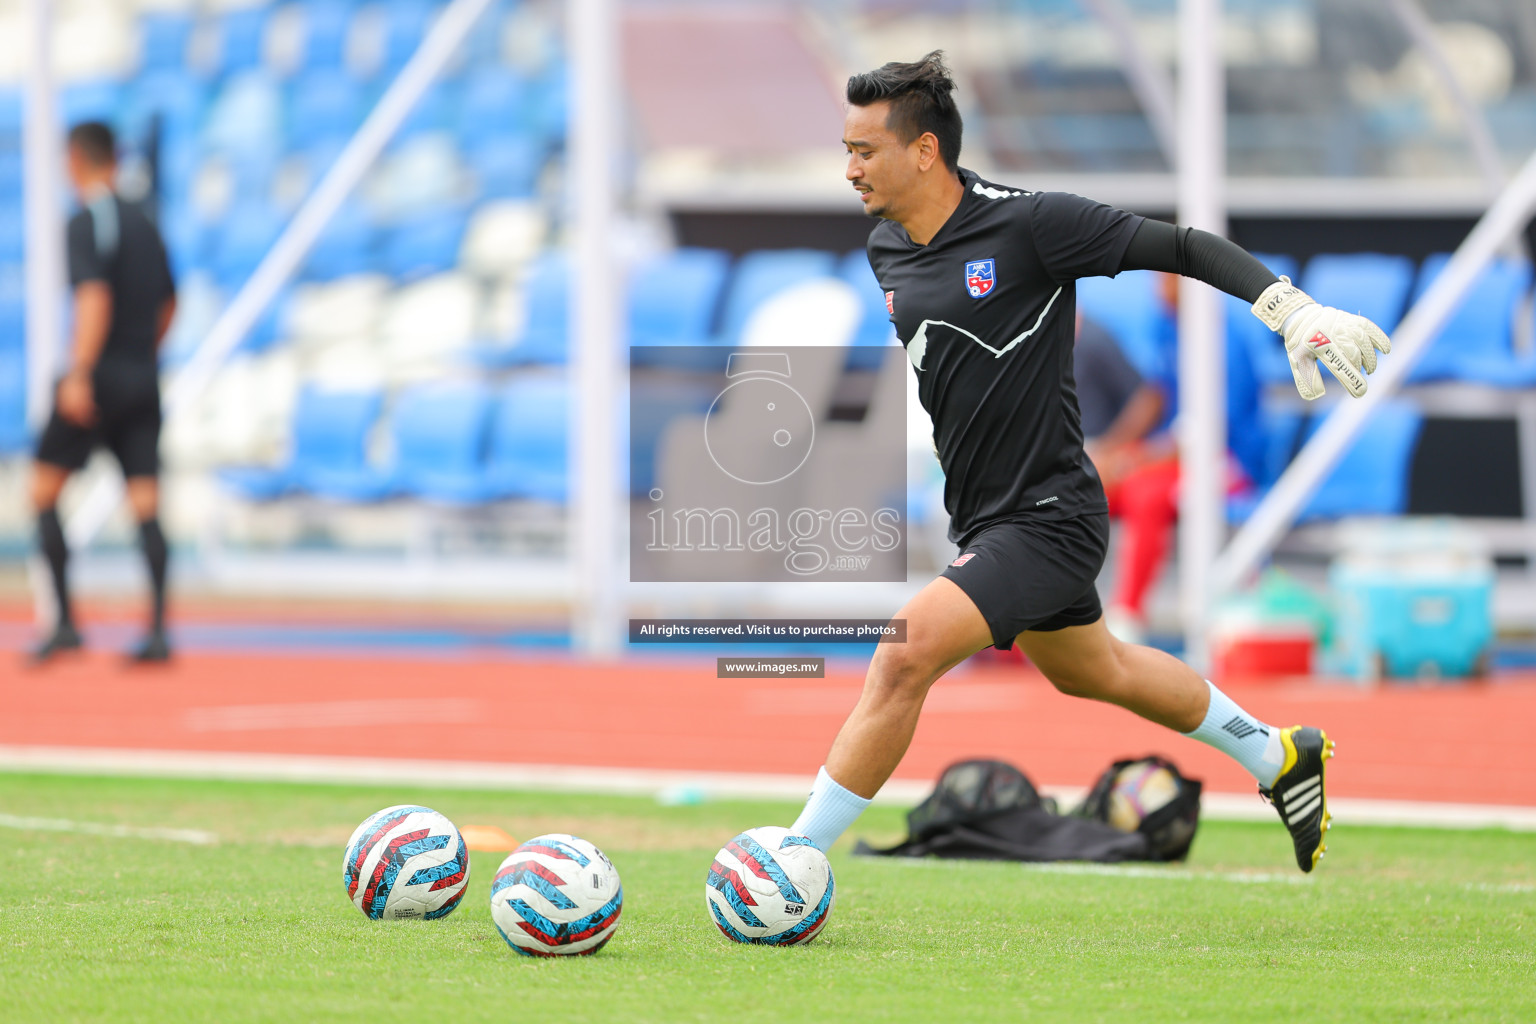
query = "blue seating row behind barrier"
x=453 y=444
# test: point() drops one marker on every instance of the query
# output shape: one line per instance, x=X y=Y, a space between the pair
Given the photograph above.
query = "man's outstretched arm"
x=1346 y=343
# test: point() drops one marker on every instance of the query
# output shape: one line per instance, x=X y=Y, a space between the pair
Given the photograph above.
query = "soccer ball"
x=556 y=895
x=1141 y=789
x=406 y=861
x=769 y=887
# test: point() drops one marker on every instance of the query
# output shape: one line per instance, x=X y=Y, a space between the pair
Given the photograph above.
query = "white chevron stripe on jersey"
x=998 y=193
x=918 y=346
x=1301 y=788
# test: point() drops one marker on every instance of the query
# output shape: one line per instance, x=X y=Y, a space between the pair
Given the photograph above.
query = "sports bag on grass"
x=989 y=810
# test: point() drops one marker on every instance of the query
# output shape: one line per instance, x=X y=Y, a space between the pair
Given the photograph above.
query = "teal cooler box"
x=1415 y=602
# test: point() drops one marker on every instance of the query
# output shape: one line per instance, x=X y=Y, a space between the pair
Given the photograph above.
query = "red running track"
x=1464 y=744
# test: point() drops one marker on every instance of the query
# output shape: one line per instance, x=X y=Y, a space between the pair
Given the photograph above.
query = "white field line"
x=654 y=782
x=91 y=828
x=1172 y=872
x=339 y=714
x=1178 y=874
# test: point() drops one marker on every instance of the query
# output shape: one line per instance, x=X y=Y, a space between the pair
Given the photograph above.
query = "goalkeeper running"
x=979 y=279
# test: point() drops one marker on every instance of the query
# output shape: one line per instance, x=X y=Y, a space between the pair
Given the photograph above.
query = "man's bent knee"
x=1098 y=675
x=1076 y=684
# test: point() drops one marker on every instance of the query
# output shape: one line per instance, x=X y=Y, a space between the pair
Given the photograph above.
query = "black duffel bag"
x=989 y=810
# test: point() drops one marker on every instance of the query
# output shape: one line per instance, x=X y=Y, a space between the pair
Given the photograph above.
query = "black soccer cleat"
x=65 y=638
x=153 y=651
x=1297 y=792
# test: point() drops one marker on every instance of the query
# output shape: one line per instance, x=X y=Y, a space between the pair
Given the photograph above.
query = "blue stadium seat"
x=875 y=326
x=163 y=39
x=483 y=48
x=1103 y=140
x=506 y=166
x=13 y=312
x=672 y=299
x=425 y=244
x=553 y=102
x=178 y=99
x=13 y=234
x=322 y=104
x=1475 y=343
x=761 y=275
x=180 y=158
x=320 y=154
x=241 y=32
x=545 y=337
x=405 y=25
x=1266 y=349
x=346 y=246
x=653 y=406
x=1129 y=307
x=341 y=472
x=1372 y=477
x=13 y=285
x=433 y=112
x=252 y=171
x=442 y=436
x=264 y=333
x=495 y=101
x=326 y=24
x=188 y=240
x=330 y=451
x=246 y=116
x=528 y=440
x=244 y=237
x=1371 y=284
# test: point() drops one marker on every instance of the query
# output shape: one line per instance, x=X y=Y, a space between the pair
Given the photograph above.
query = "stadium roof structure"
x=1330 y=108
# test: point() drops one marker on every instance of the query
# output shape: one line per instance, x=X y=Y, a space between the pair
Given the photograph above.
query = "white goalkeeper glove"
x=1346 y=343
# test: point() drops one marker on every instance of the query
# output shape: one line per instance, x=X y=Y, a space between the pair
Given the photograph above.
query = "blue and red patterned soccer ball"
x=559 y=895
x=770 y=887
x=556 y=895
x=406 y=861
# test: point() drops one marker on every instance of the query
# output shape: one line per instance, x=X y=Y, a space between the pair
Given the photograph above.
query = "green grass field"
x=1398 y=925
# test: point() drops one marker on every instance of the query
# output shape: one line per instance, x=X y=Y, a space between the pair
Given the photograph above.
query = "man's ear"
x=927 y=150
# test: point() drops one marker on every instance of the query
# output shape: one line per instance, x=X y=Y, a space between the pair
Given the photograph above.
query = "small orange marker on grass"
x=487 y=837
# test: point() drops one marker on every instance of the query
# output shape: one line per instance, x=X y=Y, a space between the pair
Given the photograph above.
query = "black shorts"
x=127 y=424
x=1034 y=573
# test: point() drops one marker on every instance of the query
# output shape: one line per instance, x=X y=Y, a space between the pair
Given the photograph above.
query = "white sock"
x=828 y=812
x=1242 y=737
